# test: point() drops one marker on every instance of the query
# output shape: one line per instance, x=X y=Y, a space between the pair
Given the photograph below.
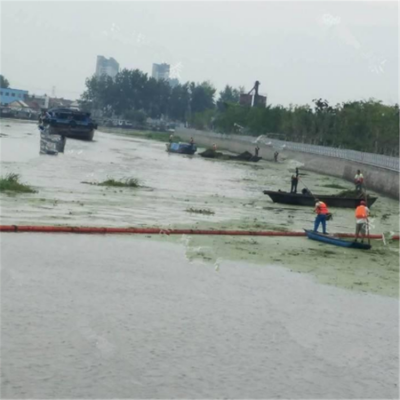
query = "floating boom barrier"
x=165 y=231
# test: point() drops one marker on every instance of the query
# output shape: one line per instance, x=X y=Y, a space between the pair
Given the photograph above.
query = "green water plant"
x=126 y=182
x=11 y=183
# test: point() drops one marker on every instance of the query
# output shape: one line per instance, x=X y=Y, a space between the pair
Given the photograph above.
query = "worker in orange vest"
x=322 y=210
x=361 y=214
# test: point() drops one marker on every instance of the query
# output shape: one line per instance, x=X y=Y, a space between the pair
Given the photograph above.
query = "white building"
x=106 y=66
x=160 y=71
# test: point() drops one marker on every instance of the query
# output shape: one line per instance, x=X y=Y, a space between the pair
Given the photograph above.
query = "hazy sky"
x=297 y=50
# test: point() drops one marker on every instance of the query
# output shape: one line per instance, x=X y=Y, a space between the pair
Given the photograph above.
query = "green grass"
x=127 y=182
x=199 y=211
x=11 y=183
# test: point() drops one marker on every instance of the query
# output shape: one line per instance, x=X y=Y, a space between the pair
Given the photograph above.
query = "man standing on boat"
x=295 y=181
x=322 y=210
x=359 y=181
x=361 y=214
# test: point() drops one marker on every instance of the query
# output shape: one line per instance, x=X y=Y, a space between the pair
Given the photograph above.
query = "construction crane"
x=255 y=99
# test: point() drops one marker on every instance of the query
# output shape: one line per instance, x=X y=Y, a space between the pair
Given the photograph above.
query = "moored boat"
x=181 y=148
x=329 y=239
x=70 y=123
x=246 y=156
x=309 y=200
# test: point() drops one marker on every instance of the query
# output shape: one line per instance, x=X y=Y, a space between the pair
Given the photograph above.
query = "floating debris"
x=200 y=211
x=128 y=182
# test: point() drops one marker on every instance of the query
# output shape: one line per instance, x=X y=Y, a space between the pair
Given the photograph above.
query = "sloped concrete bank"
x=377 y=179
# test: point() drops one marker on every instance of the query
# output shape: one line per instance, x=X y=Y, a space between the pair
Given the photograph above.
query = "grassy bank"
x=11 y=183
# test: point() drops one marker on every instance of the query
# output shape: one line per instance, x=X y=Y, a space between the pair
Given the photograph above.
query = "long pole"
x=158 y=231
x=366 y=202
x=302 y=181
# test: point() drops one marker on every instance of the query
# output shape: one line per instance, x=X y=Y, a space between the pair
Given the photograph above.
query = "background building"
x=10 y=95
x=251 y=100
x=160 y=71
x=106 y=66
x=38 y=100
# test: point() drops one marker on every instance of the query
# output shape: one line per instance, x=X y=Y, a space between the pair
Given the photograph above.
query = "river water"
x=173 y=183
x=121 y=317
x=155 y=317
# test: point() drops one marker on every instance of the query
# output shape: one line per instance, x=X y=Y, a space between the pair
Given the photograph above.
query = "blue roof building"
x=8 y=95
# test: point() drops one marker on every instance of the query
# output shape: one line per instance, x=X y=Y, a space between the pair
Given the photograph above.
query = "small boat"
x=246 y=156
x=70 y=123
x=336 y=241
x=309 y=200
x=181 y=148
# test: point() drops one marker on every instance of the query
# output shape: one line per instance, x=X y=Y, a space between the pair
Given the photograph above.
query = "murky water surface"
x=123 y=317
x=186 y=317
x=173 y=183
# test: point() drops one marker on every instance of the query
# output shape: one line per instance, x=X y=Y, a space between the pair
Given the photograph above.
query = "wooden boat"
x=309 y=200
x=336 y=241
x=181 y=148
x=245 y=156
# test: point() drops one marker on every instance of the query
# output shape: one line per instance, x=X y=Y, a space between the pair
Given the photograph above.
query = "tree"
x=179 y=102
x=202 y=97
x=4 y=82
x=360 y=125
x=136 y=116
x=229 y=95
x=100 y=94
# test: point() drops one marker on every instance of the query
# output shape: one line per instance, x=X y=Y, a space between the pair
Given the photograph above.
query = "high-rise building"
x=106 y=66
x=160 y=71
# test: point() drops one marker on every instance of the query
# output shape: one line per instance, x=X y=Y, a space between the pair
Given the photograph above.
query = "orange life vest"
x=322 y=208
x=361 y=212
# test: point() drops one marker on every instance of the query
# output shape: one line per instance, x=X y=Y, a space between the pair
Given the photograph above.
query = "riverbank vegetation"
x=365 y=125
x=11 y=183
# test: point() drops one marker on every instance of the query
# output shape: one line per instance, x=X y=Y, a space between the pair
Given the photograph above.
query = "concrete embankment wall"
x=377 y=179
